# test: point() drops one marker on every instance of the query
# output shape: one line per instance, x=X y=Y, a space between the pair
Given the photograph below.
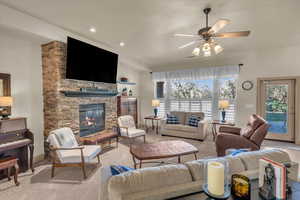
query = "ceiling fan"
x=207 y=36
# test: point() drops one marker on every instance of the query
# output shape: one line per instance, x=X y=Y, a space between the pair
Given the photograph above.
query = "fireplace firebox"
x=91 y=118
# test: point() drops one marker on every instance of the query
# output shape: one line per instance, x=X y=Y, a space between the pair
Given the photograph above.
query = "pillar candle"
x=215 y=177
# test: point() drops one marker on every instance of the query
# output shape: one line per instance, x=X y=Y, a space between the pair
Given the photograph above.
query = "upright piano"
x=16 y=140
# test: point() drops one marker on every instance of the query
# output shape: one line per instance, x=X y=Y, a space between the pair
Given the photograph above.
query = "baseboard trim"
x=182 y=137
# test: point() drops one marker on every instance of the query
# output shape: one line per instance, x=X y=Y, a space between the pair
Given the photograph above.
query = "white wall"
x=20 y=56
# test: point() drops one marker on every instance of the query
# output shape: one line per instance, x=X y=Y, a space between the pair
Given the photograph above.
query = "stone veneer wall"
x=59 y=110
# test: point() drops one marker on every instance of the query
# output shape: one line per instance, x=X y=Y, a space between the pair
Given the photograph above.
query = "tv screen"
x=90 y=63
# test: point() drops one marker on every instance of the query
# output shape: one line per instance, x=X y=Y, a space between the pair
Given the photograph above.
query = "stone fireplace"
x=91 y=118
x=63 y=111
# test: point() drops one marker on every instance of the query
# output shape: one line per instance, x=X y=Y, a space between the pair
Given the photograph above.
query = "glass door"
x=277 y=106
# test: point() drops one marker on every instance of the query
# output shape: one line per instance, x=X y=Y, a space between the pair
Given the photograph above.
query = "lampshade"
x=155 y=103
x=223 y=104
x=5 y=101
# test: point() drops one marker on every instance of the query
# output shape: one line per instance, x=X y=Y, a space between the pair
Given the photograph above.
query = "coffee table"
x=159 y=150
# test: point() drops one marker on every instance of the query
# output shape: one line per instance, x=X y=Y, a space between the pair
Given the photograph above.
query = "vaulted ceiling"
x=147 y=26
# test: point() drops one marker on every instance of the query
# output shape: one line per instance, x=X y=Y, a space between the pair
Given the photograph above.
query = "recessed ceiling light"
x=122 y=44
x=93 y=30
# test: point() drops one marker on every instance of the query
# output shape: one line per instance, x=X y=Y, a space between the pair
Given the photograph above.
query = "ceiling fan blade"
x=221 y=23
x=188 y=44
x=185 y=35
x=232 y=34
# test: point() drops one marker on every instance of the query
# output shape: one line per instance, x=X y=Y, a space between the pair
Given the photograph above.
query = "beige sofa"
x=183 y=129
x=158 y=183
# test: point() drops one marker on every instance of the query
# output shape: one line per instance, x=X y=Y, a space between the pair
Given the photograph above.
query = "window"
x=197 y=96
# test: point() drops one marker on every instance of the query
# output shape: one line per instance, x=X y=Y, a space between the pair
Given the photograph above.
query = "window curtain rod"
x=240 y=65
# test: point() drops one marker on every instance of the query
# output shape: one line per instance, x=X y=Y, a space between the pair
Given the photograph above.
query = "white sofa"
x=158 y=183
x=183 y=129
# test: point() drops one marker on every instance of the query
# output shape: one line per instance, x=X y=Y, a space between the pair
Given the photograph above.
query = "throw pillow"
x=193 y=121
x=118 y=169
x=172 y=119
x=238 y=151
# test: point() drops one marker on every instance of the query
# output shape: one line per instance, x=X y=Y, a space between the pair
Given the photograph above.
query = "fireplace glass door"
x=91 y=118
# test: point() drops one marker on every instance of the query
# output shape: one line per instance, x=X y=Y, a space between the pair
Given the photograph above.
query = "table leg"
x=195 y=156
x=152 y=124
x=16 y=166
x=140 y=164
x=8 y=174
x=179 y=160
x=146 y=126
x=157 y=127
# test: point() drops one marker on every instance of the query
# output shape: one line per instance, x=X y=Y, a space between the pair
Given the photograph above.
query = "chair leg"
x=52 y=170
x=144 y=138
x=8 y=174
x=83 y=170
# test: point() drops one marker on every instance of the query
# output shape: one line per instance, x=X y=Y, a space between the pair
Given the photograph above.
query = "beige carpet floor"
x=68 y=183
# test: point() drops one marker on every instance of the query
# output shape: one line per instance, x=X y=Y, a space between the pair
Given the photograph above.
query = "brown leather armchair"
x=249 y=137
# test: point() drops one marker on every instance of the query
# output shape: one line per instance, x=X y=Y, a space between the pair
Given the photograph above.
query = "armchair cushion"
x=252 y=125
x=74 y=156
x=132 y=132
x=126 y=121
x=63 y=138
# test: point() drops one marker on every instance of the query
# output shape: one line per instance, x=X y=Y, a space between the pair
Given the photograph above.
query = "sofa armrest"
x=104 y=179
x=230 y=129
x=202 y=128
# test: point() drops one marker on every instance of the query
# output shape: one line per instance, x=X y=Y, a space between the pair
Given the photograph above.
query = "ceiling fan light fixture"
x=206 y=53
x=196 y=51
x=206 y=47
x=218 y=48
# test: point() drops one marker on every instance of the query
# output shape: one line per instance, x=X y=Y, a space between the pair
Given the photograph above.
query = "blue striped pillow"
x=172 y=119
x=193 y=121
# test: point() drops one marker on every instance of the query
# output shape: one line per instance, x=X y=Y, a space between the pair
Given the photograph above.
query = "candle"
x=215 y=177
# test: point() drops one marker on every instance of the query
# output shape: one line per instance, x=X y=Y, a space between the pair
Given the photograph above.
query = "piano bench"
x=9 y=163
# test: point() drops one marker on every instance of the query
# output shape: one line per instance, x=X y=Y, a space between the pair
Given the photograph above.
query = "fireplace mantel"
x=69 y=93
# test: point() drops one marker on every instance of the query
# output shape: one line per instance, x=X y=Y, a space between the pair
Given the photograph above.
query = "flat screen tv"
x=90 y=63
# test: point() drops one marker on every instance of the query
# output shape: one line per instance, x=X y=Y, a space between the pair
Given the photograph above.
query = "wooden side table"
x=8 y=164
x=214 y=124
x=152 y=119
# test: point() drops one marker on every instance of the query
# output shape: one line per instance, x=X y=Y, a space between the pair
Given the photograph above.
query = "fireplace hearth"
x=91 y=118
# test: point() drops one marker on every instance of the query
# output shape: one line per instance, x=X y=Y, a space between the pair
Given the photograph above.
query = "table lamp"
x=223 y=104
x=5 y=104
x=155 y=104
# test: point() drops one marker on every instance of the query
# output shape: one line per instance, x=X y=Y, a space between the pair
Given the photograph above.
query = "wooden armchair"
x=67 y=153
x=128 y=129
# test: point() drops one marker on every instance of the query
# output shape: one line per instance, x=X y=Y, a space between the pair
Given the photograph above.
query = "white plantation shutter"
x=209 y=105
